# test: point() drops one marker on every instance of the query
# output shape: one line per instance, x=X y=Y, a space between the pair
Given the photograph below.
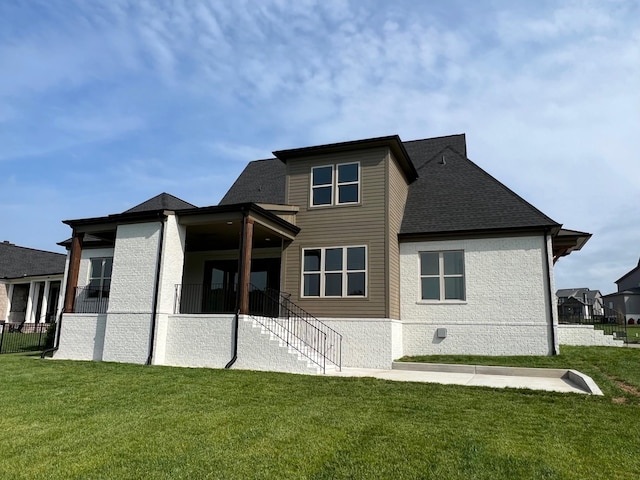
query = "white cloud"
x=158 y=95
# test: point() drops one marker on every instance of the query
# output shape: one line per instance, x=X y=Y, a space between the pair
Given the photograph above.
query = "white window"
x=442 y=275
x=334 y=272
x=100 y=277
x=335 y=184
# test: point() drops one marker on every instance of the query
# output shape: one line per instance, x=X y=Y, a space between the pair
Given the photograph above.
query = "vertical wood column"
x=245 y=273
x=74 y=270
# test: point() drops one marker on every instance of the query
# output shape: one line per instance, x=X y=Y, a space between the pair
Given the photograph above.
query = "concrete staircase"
x=267 y=344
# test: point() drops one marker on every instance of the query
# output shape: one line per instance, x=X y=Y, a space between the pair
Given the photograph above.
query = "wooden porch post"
x=74 y=270
x=245 y=273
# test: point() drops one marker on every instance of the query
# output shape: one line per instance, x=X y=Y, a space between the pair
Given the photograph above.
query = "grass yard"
x=83 y=420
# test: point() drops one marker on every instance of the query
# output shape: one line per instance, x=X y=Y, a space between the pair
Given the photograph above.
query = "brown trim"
x=74 y=271
x=245 y=265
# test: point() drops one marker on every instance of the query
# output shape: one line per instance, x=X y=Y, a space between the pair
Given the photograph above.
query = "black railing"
x=273 y=309
x=204 y=298
x=611 y=322
x=24 y=337
x=300 y=330
x=91 y=300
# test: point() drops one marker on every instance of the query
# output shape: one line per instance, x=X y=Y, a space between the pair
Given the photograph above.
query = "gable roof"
x=455 y=197
x=262 y=181
x=18 y=262
x=163 y=201
x=578 y=293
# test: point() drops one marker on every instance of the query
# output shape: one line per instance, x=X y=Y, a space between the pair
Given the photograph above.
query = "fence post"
x=2 y=327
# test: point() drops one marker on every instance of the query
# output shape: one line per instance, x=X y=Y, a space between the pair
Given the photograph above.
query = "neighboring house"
x=350 y=254
x=30 y=284
x=581 y=303
x=627 y=299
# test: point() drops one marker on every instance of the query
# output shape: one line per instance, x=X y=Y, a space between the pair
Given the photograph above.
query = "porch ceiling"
x=225 y=235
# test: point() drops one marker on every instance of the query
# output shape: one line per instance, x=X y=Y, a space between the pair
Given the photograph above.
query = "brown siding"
x=397 y=198
x=362 y=224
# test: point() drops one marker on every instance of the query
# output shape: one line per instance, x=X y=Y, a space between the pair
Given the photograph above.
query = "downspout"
x=156 y=292
x=551 y=312
x=236 y=318
x=56 y=344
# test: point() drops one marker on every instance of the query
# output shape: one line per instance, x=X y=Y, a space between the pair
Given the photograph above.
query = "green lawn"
x=22 y=342
x=83 y=420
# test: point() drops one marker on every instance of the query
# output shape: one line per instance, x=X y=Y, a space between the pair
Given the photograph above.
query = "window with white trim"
x=442 y=276
x=335 y=184
x=334 y=272
x=100 y=277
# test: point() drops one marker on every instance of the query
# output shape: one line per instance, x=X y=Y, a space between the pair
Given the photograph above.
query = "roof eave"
x=393 y=142
x=480 y=232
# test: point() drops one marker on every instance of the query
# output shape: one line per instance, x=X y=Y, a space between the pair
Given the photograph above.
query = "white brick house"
x=350 y=254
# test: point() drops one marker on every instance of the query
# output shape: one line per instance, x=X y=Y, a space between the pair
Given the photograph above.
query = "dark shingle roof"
x=262 y=181
x=422 y=151
x=163 y=201
x=17 y=262
x=454 y=197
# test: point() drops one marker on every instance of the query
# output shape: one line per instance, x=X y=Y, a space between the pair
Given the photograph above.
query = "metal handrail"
x=312 y=338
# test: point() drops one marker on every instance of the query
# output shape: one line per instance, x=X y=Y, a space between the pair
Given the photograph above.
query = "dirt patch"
x=625 y=387
x=619 y=400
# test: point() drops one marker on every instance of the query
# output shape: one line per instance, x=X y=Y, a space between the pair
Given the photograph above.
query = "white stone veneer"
x=507 y=308
x=368 y=342
x=198 y=340
x=586 y=335
x=82 y=336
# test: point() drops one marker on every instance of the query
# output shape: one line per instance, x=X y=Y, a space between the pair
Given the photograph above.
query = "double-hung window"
x=442 y=275
x=100 y=277
x=334 y=272
x=335 y=184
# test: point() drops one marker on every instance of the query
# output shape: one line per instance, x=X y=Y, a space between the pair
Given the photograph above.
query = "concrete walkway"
x=548 y=379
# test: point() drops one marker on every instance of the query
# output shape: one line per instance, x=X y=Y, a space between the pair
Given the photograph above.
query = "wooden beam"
x=73 y=272
x=245 y=273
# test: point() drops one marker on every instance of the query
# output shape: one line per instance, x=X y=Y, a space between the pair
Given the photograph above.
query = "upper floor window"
x=334 y=272
x=335 y=184
x=100 y=277
x=442 y=275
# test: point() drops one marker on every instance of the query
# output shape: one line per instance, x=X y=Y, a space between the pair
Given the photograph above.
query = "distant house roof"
x=18 y=262
x=453 y=196
x=578 y=293
x=633 y=270
x=163 y=201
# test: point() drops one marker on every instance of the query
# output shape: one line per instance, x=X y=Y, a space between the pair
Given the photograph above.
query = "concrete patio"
x=549 y=379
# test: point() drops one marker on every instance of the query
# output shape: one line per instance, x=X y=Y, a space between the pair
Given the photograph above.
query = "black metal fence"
x=25 y=337
x=610 y=321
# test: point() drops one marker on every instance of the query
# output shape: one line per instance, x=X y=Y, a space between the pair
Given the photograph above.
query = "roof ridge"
x=435 y=138
x=31 y=248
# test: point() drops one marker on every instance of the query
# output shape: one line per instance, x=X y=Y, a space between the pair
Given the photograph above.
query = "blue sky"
x=106 y=104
